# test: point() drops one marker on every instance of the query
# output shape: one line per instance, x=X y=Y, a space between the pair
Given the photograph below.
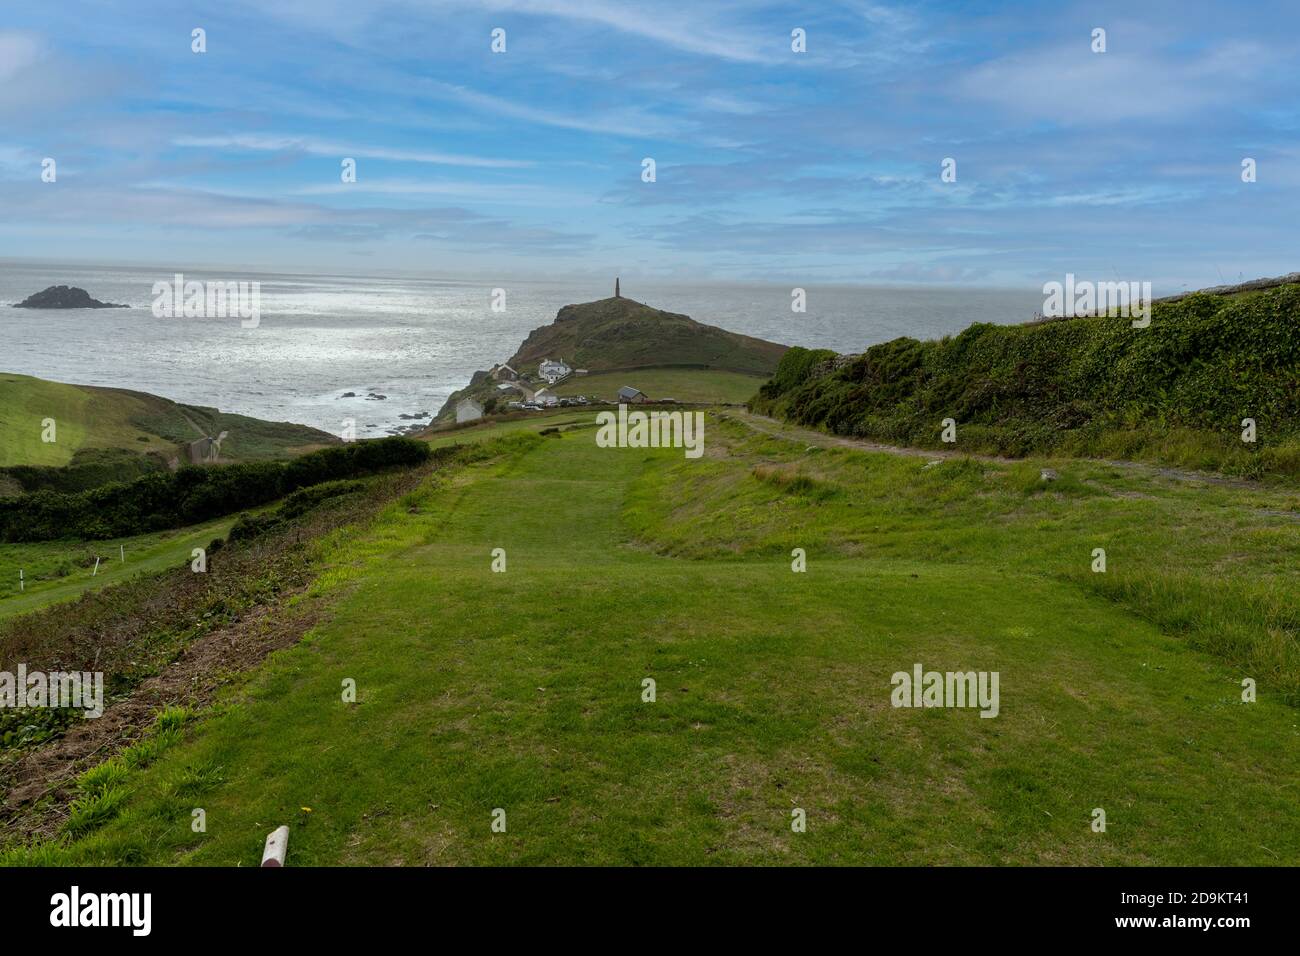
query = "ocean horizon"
x=414 y=340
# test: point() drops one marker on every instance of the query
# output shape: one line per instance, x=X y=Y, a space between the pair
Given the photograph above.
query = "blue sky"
x=810 y=167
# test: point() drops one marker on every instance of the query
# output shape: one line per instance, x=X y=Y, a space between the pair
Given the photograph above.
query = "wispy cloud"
x=36 y=78
x=627 y=121
x=821 y=163
x=1069 y=85
x=176 y=209
x=690 y=27
x=511 y=194
x=297 y=144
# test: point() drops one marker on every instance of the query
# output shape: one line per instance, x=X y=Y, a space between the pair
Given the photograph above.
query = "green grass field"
x=24 y=404
x=532 y=423
x=90 y=417
x=523 y=690
x=56 y=571
x=682 y=384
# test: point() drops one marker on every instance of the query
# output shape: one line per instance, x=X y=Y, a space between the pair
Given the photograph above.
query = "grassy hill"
x=619 y=333
x=109 y=426
x=695 y=362
x=1176 y=392
x=523 y=690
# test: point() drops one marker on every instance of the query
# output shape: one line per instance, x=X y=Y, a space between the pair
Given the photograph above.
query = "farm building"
x=504 y=373
x=633 y=396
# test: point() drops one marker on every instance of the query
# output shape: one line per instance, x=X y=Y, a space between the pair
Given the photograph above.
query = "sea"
x=412 y=339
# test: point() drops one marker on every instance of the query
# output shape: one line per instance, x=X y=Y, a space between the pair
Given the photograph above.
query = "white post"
x=277 y=845
x=121 y=549
x=22 y=586
x=96 y=571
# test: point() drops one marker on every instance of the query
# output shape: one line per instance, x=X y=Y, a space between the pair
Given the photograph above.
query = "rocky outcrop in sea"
x=65 y=297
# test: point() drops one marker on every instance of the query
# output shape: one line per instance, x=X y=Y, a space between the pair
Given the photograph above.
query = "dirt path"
x=806 y=436
x=197 y=430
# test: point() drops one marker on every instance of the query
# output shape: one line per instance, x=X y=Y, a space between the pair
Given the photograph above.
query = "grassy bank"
x=164 y=636
x=92 y=418
x=1176 y=392
x=523 y=690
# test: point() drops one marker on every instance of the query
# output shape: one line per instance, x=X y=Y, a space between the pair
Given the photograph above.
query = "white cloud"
x=280 y=144
x=1070 y=84
x=515 y=194
x=630 y=122
x=18 y=162
x=34 y=80
x=686 y=26
x=682 y=26
x=17 y=52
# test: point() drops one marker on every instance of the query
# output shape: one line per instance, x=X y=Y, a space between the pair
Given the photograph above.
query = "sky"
x=770 y=164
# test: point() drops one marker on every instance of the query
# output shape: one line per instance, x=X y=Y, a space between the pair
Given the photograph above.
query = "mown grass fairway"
x=523 y=690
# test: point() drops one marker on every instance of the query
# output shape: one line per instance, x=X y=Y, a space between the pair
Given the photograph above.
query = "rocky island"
x=65 y=297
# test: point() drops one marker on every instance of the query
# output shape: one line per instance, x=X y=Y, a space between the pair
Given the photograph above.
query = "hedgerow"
x=193 y=494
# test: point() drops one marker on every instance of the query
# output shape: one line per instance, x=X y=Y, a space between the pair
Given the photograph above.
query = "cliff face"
x=618 y=333
x=64 y=297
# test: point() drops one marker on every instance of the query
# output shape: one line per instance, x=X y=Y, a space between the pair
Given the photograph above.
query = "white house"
x=467 y=410
x=553 y=371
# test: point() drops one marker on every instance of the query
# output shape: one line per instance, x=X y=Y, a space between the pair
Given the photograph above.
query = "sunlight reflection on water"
x=414 y=340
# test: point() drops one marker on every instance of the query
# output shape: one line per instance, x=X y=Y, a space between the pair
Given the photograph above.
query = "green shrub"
x=193 y=494
x=89 y=468
x=1205 y=363
x=253 y=526
x=303 y=500
x=794 y=369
